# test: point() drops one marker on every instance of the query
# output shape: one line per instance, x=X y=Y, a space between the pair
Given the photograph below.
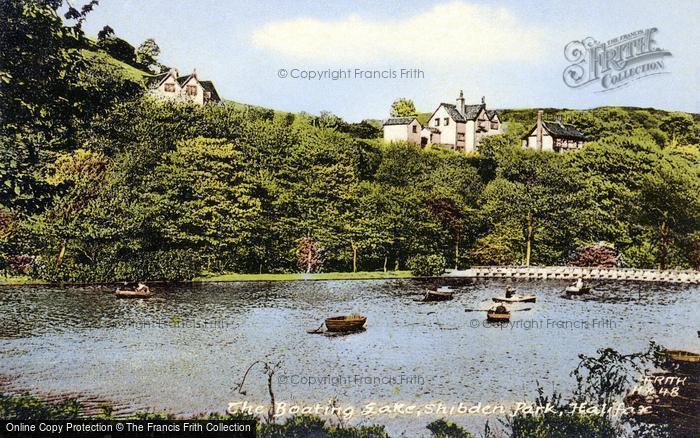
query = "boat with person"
x=349 y=323
x=577 y=288
x=498 y=314
x=142 y=291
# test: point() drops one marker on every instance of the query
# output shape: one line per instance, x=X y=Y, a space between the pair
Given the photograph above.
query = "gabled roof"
x=182 y=80
x=157 y=80
x=561 y=130
x=209 y=86
x=492 y=114
x=399 y=120
x=452 y=111
x=431 y=129
x=471 y=112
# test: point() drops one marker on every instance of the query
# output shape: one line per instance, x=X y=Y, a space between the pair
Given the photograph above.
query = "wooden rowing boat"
x=350 y=323
x=132 y=294
x=432 y=295
x=516 y=299
x=683 y=356
x=499 y=314
x=573 y=290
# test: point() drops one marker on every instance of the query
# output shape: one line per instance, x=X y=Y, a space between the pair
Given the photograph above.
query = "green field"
x=372 y=275
x=18 y=280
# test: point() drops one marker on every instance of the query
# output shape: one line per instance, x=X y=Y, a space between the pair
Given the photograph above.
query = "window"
x=191 y=90
x=415 y=129
x=494 y=125
x=437 y=122
x=447 y=121
x=460 y=136
x=169 y=88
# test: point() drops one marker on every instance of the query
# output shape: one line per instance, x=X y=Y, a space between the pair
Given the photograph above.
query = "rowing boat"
x=683 y=356
x=499 y=314
x=132 y=294
x=432 y=295
x=516 y=299
x=350 y=323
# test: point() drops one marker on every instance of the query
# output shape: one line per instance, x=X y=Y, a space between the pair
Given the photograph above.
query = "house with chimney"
x=188 y=88
x=457 y=126
x=553 y=136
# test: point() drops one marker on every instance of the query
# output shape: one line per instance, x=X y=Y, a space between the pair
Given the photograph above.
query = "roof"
x=453 y=112
x=559 y=129
x=471 y=112
x=431 y=129
x=492 y=114
x=155 y=81
x=209 y=86
x=399 y=121
x=182 y=80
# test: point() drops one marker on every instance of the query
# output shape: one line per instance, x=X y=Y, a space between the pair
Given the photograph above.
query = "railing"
x=573 y=272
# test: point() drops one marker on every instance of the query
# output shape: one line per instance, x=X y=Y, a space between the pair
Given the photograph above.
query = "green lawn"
x=259 y=277
x=297 y=276
x=18 y=280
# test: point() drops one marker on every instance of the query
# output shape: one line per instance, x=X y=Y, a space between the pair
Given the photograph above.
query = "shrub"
x=427 y=266
x=443 y=429
x=599 y=255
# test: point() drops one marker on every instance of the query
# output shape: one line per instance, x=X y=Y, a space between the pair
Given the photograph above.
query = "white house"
x=403 y=129
x=553 y=136
x=457 y=126
x=463 y=126
x=189 y=88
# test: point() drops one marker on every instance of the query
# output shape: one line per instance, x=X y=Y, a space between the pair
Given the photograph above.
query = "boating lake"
x=184 y=350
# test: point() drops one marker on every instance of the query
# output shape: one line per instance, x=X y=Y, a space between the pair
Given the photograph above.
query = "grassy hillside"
x=128 y=72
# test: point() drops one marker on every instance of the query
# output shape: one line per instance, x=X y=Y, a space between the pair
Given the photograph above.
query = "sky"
x=510 y=52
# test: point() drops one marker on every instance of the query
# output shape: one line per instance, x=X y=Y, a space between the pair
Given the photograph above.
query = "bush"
x=443 y=429
x=427 y=266
x=171 y=265
x=599 y=255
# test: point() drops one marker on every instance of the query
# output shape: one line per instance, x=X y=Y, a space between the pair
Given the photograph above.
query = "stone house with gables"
x=189 y=88
x=553 y=136
x=458 y=126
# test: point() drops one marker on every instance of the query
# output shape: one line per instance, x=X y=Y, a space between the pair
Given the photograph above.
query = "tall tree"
x=403 y=108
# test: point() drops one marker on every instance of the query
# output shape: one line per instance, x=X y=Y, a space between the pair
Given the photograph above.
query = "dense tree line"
x=99 y=182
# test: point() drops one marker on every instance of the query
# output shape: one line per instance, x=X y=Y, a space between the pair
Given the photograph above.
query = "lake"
x=185 y=350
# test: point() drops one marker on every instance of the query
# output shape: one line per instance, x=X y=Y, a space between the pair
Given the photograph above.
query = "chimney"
x=460 y=102
x=539 y=129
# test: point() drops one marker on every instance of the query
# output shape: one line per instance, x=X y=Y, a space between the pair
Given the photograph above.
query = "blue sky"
x=512 y=52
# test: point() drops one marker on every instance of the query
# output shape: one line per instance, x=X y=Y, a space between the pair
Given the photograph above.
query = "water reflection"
x=184 y=350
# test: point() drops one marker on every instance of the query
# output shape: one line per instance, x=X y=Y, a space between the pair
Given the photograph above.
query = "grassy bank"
x=373 y=275
x=378 y=275
x=23 y=279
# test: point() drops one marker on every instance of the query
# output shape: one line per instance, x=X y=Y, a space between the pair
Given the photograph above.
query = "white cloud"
x=448 y=35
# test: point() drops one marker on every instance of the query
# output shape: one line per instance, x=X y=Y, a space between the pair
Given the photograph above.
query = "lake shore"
x=232 y=277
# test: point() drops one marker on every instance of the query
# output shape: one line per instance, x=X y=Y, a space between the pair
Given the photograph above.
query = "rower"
x=509 y=291
x=143 y=288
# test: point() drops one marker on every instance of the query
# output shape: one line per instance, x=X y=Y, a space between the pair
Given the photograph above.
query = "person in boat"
x=143 y=289
x=501 y=309
x=509 y=291
x=579 y=283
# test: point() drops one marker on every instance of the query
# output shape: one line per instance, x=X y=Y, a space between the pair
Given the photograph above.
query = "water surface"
x=184 y=351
